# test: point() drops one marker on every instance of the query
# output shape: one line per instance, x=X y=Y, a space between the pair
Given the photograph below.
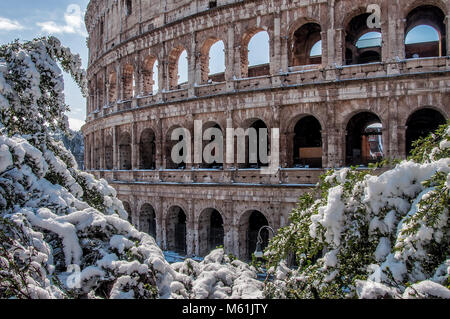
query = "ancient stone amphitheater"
x=366 y=95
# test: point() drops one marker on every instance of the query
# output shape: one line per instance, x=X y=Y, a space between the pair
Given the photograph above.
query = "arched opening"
x=125 y=151
x=129 y=82
x=176 y=230
x=255 y=56
x=147 y=150
x=127 y=208
x=112 y=96
x=308 y=143
x=213 y=61
x=178 y=68
x=364 y=143
x=184 y=139
x=420 y=124
x=249 y=226
x=425 y=33
x=109 y=152
x=213 y=146
x=147 y=220
x=210 y=231
x=306 y=45
x=150 y=75
x=362 y=44
x=257 y=145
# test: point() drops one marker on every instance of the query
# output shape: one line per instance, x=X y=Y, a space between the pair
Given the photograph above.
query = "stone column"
x=276 y=49
x=193 y=65
x=229 y=239
x=134 y=147
x=190 y=229
x=102 y=149
x=159 y=221
x=447 y=25
x=230 y=52
x=115 y=149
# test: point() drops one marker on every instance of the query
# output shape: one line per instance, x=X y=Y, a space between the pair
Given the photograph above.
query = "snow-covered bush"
x=370 y=236
x=216 y=277
x=64 y=234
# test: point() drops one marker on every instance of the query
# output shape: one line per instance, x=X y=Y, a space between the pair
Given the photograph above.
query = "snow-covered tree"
x=371 y=236
x=64 y=234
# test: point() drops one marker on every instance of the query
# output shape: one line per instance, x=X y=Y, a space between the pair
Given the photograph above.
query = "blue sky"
x=27 y=19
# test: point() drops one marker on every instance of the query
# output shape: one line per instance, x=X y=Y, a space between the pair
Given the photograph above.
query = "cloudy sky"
x=27 y=19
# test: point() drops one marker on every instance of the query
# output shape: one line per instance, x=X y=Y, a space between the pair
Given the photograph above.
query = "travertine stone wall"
x=128 y=125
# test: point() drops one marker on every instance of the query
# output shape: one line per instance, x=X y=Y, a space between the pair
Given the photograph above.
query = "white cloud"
x=10 y=25
x=76 y=124
x=74 y=19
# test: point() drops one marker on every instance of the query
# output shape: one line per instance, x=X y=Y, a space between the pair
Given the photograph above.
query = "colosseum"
x=342 y=83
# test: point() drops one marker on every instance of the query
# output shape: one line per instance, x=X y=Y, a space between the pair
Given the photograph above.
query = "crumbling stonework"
x=321 y=104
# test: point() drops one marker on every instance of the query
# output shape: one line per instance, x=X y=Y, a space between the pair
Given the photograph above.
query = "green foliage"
x=308 y=240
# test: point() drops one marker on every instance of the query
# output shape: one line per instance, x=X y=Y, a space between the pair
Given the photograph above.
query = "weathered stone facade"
x=331 y=99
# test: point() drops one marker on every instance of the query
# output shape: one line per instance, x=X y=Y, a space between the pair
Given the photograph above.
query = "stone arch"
x=125 y=151
x=219 y=145
x=176 y=229
x=426 y=15
x=307 y=142
x=210 y=230
x=258 y=70
x=356 y=27
x=364 y=140
x=147 y=220
x=252 y=145
x=169 y=144
x=420 y=123
x=147 y=149
x=440 y=4
x=149 y=67
x=173 y=71
x=205 y=57
x=112 y=90
x=109 y=150
x=249 y=224
x=129 y=82
x=303 y=35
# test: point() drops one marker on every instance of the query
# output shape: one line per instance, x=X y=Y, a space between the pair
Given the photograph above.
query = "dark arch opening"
x=359 y=39
x=420 y=124
x=211 y=231
x=364 y=140
x=303 y=40
x=147 y=149
x=125 y=151
x=109 y=152
x=127 y=208
x=219 y=145
x=147 y=220
x=255 y=145
x=170 y=144
x=176 y=230
x=308 y=143
x=252 y=223
x=427 y=46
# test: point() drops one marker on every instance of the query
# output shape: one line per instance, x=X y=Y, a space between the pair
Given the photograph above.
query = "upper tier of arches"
x=182 y=55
